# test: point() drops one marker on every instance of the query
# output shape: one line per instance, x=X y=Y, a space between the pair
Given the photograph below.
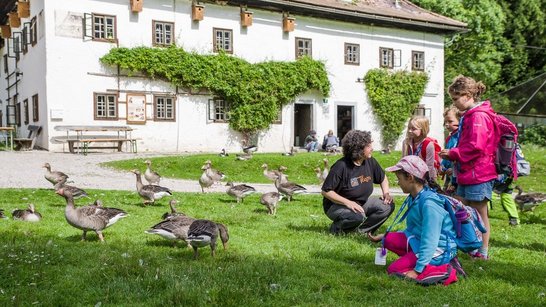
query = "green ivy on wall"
x=256 y=92
x=394 y=95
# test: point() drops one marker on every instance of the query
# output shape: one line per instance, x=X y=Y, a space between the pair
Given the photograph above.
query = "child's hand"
x=449 y=172
x=444 y=154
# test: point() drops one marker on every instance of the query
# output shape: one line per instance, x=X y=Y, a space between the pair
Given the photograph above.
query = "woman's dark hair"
x=354 y=142
x=431 y=183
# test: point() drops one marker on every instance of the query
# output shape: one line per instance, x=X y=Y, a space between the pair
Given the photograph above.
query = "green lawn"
x=285 y=260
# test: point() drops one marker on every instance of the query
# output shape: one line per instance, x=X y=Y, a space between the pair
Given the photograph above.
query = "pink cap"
x=412 y=165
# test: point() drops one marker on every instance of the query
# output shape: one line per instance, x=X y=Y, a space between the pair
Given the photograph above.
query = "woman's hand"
x=444 y=154
x=354 y=206
x=387 y=198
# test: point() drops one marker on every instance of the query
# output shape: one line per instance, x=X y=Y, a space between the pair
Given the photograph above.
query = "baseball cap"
x=412 y=165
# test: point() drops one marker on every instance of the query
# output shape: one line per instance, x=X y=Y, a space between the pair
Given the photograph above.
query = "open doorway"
x=345 y=120
x=302 y=123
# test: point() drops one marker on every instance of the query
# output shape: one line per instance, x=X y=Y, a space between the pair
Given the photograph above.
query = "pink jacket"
x=475 y=153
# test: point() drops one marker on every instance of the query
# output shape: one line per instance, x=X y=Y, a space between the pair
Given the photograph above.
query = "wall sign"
x=136 y=109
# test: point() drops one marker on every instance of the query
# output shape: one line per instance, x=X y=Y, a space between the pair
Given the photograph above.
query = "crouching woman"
x=425 y=247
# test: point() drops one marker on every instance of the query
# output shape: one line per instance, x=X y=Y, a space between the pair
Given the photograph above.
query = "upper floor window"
x=35 y=109
x=218 y=110
x=106 y=106
x=303 y=47
x=33 y=31
x=25 y=39
x=104 y=27
x=223 y=40
x=164 y=108
x=163 y=33
x=386 y=57
x=418 y=60
x=352 y=54
x=25 y=110
x=18 y=114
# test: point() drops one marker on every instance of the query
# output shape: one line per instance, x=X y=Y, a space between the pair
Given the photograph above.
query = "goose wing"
x=156 y=189
x=76 y=192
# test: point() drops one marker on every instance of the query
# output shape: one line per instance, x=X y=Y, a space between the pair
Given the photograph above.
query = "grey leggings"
x=346 y=220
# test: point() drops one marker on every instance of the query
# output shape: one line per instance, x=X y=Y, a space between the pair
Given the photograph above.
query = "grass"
x=285 y=260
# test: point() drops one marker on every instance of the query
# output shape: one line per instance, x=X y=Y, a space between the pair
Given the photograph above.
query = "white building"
x=51 y=75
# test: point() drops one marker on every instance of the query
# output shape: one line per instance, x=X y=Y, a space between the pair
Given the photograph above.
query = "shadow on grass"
x=535 y=247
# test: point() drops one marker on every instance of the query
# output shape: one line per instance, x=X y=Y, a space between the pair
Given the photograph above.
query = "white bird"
x=28 y=215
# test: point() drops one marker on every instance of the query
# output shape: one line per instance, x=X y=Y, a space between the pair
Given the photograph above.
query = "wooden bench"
x=28 y=142
x=86 y=141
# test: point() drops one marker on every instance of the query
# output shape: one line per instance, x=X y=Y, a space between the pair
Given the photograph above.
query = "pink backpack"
x=507 y=138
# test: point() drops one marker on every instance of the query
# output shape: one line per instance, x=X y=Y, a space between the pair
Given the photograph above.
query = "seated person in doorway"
x=330 y=142
x=311 y=141
x=348 y=187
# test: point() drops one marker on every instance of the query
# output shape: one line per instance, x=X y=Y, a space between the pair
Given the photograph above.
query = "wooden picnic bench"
x=28 y=142
x=85 y=142
x=80 y=142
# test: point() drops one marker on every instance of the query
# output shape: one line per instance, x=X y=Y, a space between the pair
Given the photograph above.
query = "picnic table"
x=79 y=137
x=7 y=132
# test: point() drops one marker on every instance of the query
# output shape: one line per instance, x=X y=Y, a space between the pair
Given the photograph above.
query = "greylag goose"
x=244 y=156
x=213 y=174
x=173 y=213
x=223 y=153
x=150 y=193
x=55 y=176
x=322 y=174
x=150 y=175
x=280 y=173
x=250 y=149
x=239 y=191
x=271 y=175
x=293 y=151
x=90 y=218
x=2 y=216
x=204 y=232
x=270 y=200
x=289 y=188
x=528 y=201
x=75 y=191
x=175 y=228
x=28 y=215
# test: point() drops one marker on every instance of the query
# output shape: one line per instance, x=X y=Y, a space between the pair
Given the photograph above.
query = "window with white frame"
x=218 y=110
x=25 y=37
x=26 y=111
x=106 y=106
x=223 y=40
x=163 y=33
x=35 y=109
x=386 y=57
x=352 y=54
x=164 y=108
x=418 y=60
x=33 y=31
x=304 y=46
x=104 y=27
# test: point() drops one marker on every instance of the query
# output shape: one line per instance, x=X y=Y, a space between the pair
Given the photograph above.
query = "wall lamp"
x=18 y=73
x=360 y=80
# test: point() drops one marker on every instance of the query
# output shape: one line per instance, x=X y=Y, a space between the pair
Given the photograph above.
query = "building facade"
x=51 y=75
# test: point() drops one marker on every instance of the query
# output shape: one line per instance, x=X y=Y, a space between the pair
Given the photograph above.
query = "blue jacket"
x=451 y=142
x=428 y=225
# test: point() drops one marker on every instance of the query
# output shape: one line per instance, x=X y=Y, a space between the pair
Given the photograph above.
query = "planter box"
x=14 y=20
x=197 y=12
x=288 y=24
x=6 y=31
x=136 y=6
x=23 y=9
x=246 y=19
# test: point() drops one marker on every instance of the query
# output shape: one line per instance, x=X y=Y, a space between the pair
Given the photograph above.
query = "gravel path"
x=23 y=169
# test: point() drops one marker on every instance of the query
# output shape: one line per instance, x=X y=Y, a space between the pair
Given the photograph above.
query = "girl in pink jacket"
x=474 y=155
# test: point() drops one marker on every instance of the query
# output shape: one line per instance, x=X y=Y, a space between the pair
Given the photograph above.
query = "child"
x=427 y=254
x=475 y=153
x=417 y=143
x=451 y=123
x=311 y=141
x=503 y=187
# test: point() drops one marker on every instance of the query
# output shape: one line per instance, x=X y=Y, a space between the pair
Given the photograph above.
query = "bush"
x=534 y=134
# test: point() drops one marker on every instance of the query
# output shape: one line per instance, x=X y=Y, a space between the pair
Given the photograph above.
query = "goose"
x=528 y=201
x=150 y=193
x=280 y=173
x=90 y=218
x=53 y=177
x=250 y=149
x=322 y=174
x=289 y=188
x=293 y=151
x=28 y=215
x=2 y=216
x=175 y=228
x=223 y=153
x=205 y=181
x=270 y=200
x=150 y=175
x=173 y=213
x=271 y=175
x=320 y=177
x=387 y=150
x=244 y=156
x=214 y=174
x=75 y=191
x=239 y=191
x=204 y=232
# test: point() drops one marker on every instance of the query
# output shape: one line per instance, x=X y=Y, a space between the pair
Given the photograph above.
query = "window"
x=218 y=110
x=163 y=33
x=25 y=37
x=25 y=110
x=106 y=106
x=17 y=46
x=386 y=57
x=352 y=54
x=35 y=109
x=418 y=60
x=303 y=47
x=33 y=31
x=223 y=40
x=5 y=63
x=18 y=114
x=104 y=27
x=164 y=108
x=1 y=119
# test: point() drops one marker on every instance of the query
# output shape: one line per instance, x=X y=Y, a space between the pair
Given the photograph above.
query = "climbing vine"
x=256 y=91
x=394 y=96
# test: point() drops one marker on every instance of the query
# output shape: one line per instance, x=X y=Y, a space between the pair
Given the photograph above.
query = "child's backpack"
x=505 y=160
x=524 y=167
x=437 y=149
x=469 y=227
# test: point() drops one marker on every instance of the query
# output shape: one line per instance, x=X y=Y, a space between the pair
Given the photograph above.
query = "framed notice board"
x=136 y=109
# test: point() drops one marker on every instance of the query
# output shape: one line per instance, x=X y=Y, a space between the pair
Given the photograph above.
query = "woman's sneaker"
x=478 y=256
x=456 y=264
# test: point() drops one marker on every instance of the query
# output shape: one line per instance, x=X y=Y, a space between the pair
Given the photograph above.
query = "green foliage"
x=257 y=92
x=534 y=134
x=394 y=96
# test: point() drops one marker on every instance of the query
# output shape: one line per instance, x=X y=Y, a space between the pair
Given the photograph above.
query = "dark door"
x=302 y=123
x=344 y=120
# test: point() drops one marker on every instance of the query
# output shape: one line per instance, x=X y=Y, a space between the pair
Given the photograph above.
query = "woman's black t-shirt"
x=351 y=181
